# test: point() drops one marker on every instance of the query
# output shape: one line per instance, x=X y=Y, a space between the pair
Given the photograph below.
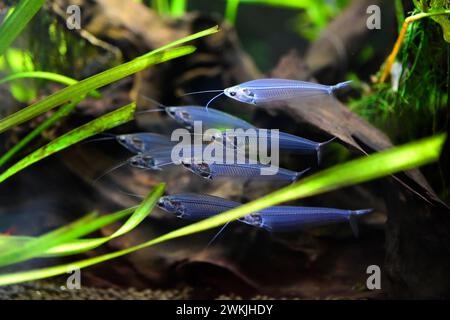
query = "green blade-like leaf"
x=141 y=212
x=82 y=245
x=191 y=37
x=31 y=247
x=60 y=113
x=16 y=22
x=298 y=4
x=231 y=11
x=46 y=76
x=178 y=8
x=41 y=244
x=96 y=126
x=87 y=85
x=357 y=171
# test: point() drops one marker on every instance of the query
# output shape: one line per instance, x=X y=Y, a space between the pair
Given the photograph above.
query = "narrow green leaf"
x=357 y=171
x=298 y=4
x=62 y=112
x=37 y=246
x=231 y=11
x=16 y=22
x=191 y=37
x=178 y=8
x=59 y=242
x=39 y=75
x=99 y=80
x=161 y=6
x=96 y=126
x=141 y=212
x=83 y=245
x=31 y=247
x=87 y=85
x=47 y=76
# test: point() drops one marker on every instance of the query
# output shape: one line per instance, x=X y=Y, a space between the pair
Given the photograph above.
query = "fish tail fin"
x=353 y=219
x=339 y=86
x=300 y=174
x=320 y=148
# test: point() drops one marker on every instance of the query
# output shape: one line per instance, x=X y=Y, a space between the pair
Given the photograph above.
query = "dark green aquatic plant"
x=313 y=17
x=415 y=102
x=435 y=6
x=17 y=21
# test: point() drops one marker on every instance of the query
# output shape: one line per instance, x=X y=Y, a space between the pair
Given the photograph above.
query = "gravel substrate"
x=48 y=291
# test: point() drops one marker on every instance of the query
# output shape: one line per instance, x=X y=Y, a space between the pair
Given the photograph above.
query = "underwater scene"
x=224 y=150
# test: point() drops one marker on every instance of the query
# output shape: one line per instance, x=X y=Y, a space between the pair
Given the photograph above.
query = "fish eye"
x=205 y=175
x=255 y=219
x=137 y=142
x=160 y=203
x=185 y=115
x=150 y=162
x=233 y=93
x=186 y=164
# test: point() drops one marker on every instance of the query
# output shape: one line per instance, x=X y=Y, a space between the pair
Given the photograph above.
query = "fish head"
x=215 y=137
x=143 y=161
x=253 y=219
x=181 y=115
x=168 y=204
x=240 y=94
x=132 y=142
x=200 y=168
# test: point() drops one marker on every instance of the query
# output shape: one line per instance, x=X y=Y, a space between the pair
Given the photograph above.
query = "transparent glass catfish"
x=140 y=142
x=186 y=115
x=211 y=119
x=152 y=161
x=195 y=206
x=144 y=142
x=158 y=158
x=289 y=218
x=286 y=141
x=214 y=170
x=262 y=91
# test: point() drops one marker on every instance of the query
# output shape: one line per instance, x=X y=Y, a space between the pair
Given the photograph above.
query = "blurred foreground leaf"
x=19 y=18
x=19 y=249
x=87 y=130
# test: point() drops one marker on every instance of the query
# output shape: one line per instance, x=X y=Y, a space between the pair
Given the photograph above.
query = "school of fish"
x=154 y=152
